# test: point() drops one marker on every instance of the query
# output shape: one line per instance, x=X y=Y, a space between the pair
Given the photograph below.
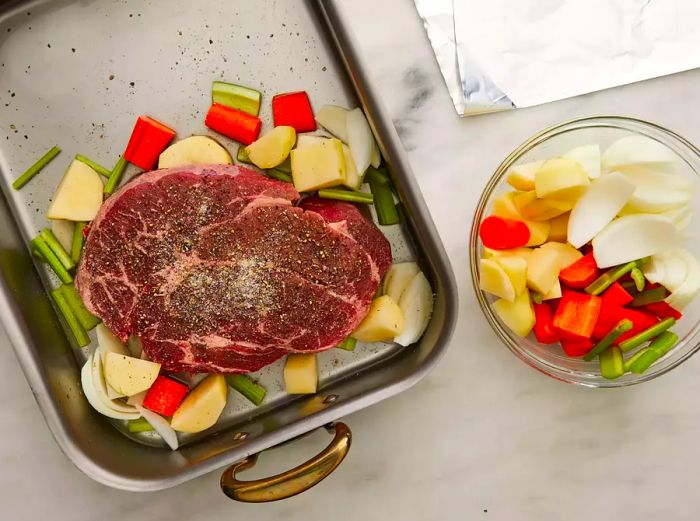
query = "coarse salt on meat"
x=216 y=270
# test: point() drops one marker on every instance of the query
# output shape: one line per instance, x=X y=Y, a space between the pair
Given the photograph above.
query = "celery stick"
x=537 y=297
x=348 y=344
x=606 y=279
x=631 y=360
x=384 y=204
x=645 y=358
x=56 y=247
x=35 y=168
x=280 y=176
x=140 y=425
x=236 y=96
x=86 y=319
x=664 y=342
x=622 y=327
x=115 y=176
x=76 y=248
x=96 y=167
x=78 y=331
x=638 y=278
x=647 y=334
x=352 y=196
x=644 y=361
x=285 y=166
x=49 y=256
x=649 y=297
x=630 y=287
x=612 y=363
x=247 y=387
x=242 y=156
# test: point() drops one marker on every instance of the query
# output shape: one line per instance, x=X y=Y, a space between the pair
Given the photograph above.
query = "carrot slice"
x=499 y=233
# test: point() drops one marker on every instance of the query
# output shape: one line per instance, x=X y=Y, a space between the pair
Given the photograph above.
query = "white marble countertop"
x=484 y=436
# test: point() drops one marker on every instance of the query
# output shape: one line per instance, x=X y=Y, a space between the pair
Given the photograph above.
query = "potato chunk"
x=383 y=322
x=318 y=165
x=78 y=196
x=202 y=407
x=301 y=373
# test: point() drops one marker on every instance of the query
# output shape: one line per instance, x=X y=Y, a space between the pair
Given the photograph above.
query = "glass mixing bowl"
x=552 y=142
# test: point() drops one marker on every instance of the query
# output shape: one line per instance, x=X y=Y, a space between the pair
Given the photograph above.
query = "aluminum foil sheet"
x=500 y=54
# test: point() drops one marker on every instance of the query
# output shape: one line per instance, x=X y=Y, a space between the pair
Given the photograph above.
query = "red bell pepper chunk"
x=148 y=139
x=233 y=123
x=616 y=295
x=165 y=396
x=293 y=109
x=581 y=273
x=499 y=233
x=610 y=315
x=553 y=304
x=576 y=347
x=663 y=310
x=577 y=315
x=544 y=324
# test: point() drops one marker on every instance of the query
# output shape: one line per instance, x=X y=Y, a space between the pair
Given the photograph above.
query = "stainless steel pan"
x=76 y=74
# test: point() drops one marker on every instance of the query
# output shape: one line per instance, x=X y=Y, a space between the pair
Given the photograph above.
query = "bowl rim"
x=562 y=375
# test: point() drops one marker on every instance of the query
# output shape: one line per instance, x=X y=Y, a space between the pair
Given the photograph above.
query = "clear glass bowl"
x=554 y=141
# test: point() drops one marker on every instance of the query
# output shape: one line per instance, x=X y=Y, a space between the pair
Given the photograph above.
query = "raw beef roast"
x=217 y=270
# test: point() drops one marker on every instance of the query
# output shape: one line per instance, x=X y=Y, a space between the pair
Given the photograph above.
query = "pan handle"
x=291 y=482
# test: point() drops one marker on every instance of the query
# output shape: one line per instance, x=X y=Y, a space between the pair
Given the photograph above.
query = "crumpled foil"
x=503 y=54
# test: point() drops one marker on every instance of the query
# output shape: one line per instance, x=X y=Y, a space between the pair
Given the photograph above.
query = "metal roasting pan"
x=76 y=74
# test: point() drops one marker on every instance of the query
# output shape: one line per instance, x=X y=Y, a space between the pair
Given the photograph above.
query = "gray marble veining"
x=484 y=436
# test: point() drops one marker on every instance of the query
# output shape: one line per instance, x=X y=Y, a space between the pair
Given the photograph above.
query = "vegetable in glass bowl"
x=580 y=254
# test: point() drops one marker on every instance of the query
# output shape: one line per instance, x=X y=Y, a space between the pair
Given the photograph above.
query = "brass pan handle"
x=291 y=482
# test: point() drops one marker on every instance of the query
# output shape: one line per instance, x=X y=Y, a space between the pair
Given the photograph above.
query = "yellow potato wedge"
x=518 y=315
x=202 y=407
x=383 y=322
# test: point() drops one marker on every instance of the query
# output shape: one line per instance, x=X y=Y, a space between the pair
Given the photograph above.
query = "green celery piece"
x=242 y=155
x=630 y=287
x=638 y=278
x=236 y=96
x=39 y=244
x=96 y=167
x=647 y=334
x=644 y=361
x=631 y=360
x=378 y=174
x=611 y=363
x=649 y=297
x=606 y=279
x=280 y=176
x=86 y=319
x=646 y=357
x=247 y=387
x=35 y=168
x=352 y=196
x=622 y=327
x=140 y=425
x=78 y=331
x=537 y=297
x=61 y=254
x=285 y=166
x=76 y=247
x=115 y=176
x=348 y=344
x=379 y=183
x=664 y=342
